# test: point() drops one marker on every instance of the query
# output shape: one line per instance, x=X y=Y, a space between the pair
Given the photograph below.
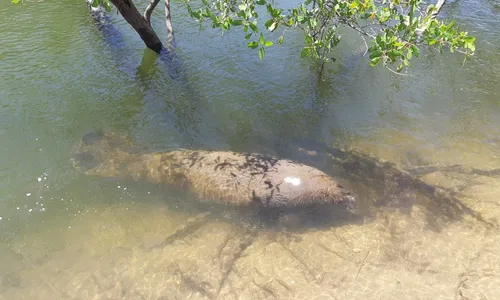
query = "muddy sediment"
x=429 y=236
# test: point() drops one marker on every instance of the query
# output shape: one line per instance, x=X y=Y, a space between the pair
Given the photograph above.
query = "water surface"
x=64 y=235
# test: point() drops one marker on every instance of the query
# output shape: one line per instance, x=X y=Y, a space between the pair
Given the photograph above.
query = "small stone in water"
x=28 y=194
x=39 y=179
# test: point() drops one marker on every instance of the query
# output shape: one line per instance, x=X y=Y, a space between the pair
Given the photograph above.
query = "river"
x=65 y=235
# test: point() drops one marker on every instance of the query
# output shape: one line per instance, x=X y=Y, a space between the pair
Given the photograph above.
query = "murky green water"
x=64 y=235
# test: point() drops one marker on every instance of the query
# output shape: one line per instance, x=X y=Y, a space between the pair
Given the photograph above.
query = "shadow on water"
x=292 y=220
x=183 y=101
x=114 y=38
x=380 y=184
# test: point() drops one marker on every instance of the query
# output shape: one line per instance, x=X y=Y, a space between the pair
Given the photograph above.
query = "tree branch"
x=130 y=13
x=168 y=23
x=360 y=31
x=149 y=10
x=168 y=20
x=439 y=5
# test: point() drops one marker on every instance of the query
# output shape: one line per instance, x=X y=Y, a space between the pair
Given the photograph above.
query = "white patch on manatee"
x=293 y=180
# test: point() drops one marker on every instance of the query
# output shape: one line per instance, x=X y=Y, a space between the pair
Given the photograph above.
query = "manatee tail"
x=101 y=152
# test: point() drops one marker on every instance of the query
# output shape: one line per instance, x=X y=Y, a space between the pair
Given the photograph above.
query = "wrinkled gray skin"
x=221 y=176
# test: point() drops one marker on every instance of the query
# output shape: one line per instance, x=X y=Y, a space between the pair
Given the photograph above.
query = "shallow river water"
x=65 y=235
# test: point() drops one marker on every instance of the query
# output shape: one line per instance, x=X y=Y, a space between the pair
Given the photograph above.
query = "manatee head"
x=101 y=153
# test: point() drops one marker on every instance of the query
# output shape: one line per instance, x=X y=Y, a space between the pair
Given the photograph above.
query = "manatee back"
x=247 y=179
x=302 y=185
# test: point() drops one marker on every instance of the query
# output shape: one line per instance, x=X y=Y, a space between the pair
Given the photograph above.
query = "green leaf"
x=261 y=53
x=400 y=68
x=107 y=6
x=305 y=52
x=276 y=12
x=309 y=39
x=471 y=47
x=375 y=61
x=248 y=36
x=268 y=44
x=430 y=8
x=409 y=53
x=280 y=40
x=260 y=2
x=253 y=45
x=469 y=39
x=393 y=54
x=237 y=22
x=261 y=39
x=312 y=22
x=376 y=53
x=253 y=27
x=415 y=50
x=242 y=14
x=354 y=4
x=449 y=26
x=273 y=26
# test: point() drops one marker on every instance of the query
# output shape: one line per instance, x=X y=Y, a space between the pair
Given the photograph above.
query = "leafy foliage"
x=396 y=28
x=105 y=3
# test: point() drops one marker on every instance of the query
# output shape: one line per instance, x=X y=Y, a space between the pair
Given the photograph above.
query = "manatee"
x=243 y=179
